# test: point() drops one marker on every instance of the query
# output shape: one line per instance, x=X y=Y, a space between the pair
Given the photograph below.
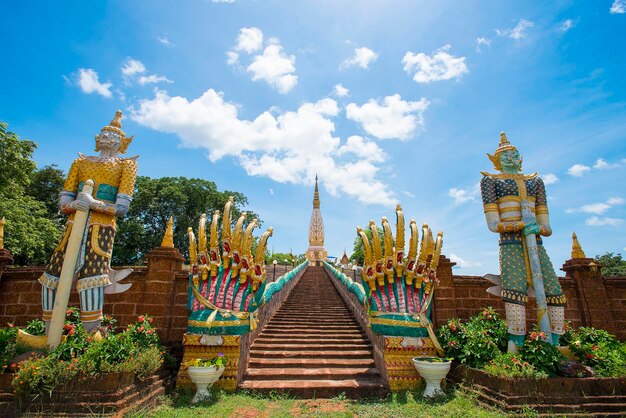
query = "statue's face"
x=110 y=141
x=510 y=161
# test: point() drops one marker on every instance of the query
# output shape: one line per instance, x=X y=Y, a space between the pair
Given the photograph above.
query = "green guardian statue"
x=515 y=207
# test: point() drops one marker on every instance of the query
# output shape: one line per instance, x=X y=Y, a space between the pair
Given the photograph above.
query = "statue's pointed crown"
x=504 y=145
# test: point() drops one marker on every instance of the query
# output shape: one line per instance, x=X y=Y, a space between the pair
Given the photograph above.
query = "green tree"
x=357 y=251
x=155 y=200
x=29 y=232
x=16 y=162
x=46 y=183
x=612 y=264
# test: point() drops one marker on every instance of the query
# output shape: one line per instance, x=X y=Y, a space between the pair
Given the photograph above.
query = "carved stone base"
x=399 y=353
x=206 y=347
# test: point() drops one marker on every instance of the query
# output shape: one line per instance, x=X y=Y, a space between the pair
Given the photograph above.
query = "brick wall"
x=160 y=290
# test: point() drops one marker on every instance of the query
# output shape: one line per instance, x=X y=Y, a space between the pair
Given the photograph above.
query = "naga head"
x=506 y=158
x=112 y=140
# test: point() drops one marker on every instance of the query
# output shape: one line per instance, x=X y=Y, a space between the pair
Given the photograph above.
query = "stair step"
x=305 y=347
x=317 y=373
x=312 y=335
x=353 y=388
x=305 y=363
x=311 y=353
x=310 y=341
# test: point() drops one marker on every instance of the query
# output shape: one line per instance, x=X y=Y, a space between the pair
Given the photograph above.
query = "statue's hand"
x=531 y=228
x=79 y=204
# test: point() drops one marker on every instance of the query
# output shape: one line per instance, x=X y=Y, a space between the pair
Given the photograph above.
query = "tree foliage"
x=46 y=183
x=29 y=232
x=612 y=264
x=155 y=200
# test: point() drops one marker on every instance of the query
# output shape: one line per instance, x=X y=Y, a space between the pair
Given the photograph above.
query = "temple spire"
x=316 y=253
x=316 y=195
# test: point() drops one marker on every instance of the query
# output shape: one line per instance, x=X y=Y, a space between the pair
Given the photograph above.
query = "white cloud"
x=618 y=7
x=223 y=1
x=407 y=193
x=272 y=66
x=462 y=195
x=440 y=66
x=482 y=41
x=601 y=164
x=131 y=70
x=277 y=147
x=595 y=221
x=598 y=208
x=393 y=118
x=88 y=81
x=518 y=32
x=164 y=40
x=577 y=170
x=249 y=40
x=151 y=79
x=341 y=91
x=271 y=191
x=362 y=57
x=567 y=25
x=275 y=68
x=462 y=263
x=132 y=67
x=549 y=178
x=366 y=150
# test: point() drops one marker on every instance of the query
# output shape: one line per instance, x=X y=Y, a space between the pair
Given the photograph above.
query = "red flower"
x=590 y=356
x=140 y=329
x=141 y=318
x=594 y=348
x=150 y=320
x=68 y=312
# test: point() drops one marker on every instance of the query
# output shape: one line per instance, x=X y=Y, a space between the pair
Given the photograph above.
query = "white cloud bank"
x=131 y=70
x=440 y=66
x=362 y=58
x=277 y=147
x=88 y=81
x=463 y=195
x=391 y=118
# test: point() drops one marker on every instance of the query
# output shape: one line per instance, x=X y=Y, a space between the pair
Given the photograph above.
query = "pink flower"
x=141 y=318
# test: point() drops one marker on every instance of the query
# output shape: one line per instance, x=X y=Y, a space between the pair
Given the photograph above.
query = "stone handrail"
x=273 y=297
x=355 y=297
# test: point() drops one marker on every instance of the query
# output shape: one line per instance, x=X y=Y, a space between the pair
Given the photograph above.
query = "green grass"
x=405 y=404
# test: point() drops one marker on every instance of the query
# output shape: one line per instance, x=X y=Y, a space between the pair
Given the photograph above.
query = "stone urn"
x=433 y=370
x=204 y=377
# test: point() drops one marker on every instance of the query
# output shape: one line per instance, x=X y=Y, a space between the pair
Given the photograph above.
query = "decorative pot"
x=204 y=377
x=433 y=370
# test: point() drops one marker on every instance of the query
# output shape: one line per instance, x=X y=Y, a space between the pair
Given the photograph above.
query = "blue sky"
x=387 y=101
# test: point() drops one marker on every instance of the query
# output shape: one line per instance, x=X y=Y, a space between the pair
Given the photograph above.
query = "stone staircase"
x=313 y=347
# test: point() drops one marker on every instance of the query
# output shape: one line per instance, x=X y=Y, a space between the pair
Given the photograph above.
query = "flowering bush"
x=80 y=356
x=8 y=338
x=599 y=349
x=512 y=366
x=541 y=354
x=143 y=333
x=476 y=342
x=220 y=361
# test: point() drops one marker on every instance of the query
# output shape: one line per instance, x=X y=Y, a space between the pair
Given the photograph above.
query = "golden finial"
x=316 y=195
x=168 y=238
x=2 y=233
x=577 y=251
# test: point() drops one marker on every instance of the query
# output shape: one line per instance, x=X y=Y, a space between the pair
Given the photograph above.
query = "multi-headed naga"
x=400 y=288
x=226 y=289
